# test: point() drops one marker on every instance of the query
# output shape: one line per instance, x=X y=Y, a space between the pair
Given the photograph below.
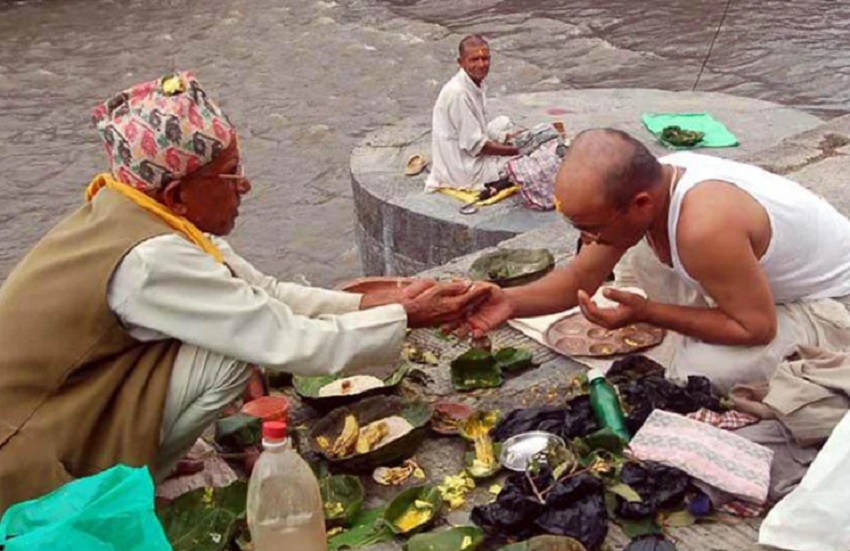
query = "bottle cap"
x=594 y=374
x=274 y=430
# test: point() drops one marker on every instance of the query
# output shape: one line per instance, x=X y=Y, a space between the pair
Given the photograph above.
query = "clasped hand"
x=431 y=303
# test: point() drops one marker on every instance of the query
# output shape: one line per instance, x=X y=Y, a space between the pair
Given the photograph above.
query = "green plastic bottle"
x=606 y=405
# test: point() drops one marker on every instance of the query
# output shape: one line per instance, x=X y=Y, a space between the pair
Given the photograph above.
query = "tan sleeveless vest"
x=77 y=393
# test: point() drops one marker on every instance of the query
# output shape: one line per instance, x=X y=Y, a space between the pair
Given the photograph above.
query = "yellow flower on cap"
x=173 y=85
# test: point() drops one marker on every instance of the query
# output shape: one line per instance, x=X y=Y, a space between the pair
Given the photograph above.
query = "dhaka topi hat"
x=160 y=131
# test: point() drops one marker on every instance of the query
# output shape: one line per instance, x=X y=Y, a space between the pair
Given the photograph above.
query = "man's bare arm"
x=717 y=251
x=499 y=149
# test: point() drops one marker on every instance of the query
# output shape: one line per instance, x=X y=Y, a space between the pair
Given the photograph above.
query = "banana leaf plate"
x=512 y=267
x=309 y=388
x=413 y=509
x=459 y=538
x=328 y=429
x=342 y=498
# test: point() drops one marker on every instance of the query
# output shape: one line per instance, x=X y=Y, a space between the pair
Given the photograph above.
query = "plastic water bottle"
x=284 y=504
x=606 y=405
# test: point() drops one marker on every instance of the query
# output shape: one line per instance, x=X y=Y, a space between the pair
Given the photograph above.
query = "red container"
x=268 y=408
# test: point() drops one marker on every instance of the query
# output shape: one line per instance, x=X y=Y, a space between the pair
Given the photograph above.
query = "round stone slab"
x=402 y=231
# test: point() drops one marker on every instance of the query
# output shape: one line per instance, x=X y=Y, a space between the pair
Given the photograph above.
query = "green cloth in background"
x=716 y=133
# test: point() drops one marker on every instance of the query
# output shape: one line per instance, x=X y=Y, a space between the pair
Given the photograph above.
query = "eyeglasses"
x=594 y=233
x=238 y=175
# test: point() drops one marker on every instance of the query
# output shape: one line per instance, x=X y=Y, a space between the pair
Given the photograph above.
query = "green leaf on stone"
x=676 y=519
x=626 y=492
x=635 y=528
x=206 y=519
x=461 y=538
x=238 y=431
x=605 y=439
x=611 y=504
x=475 y=368
x=546 y=543
x=342 y=497
x=367 y=528
x=413 y=509
x=513 y=359
x=580 y=448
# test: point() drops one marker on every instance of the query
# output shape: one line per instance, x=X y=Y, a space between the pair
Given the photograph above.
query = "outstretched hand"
x=630 y=308
x=484 y=316
x=442 y=303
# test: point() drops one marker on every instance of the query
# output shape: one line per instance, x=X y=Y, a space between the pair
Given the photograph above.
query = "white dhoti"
x=824 y=324
x=202 y=384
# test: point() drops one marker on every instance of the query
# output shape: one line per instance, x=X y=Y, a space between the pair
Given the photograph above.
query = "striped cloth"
x=535 y=173
x=728 y=420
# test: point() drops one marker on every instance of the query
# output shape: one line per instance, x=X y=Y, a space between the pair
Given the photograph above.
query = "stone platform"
x=401 y=230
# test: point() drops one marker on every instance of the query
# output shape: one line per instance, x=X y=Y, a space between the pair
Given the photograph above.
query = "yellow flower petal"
x=172 y=85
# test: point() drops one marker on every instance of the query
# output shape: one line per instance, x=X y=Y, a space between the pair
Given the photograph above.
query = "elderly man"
x=468 y=151
x=131 y=324
x=755 y=260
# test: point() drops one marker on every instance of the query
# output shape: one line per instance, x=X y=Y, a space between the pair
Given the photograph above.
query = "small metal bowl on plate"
x=520 y=449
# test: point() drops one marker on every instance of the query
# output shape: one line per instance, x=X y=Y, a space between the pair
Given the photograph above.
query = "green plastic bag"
x=110 y=511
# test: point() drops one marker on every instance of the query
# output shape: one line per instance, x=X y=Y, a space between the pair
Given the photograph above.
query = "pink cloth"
x=714 y=456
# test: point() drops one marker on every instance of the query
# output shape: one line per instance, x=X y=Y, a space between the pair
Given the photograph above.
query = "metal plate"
x=518 y=450
x=575 y=336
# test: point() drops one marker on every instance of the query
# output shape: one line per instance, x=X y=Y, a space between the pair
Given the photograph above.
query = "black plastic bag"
x=576 y=419
x=658 y=486
x=651 y=542
x=644 y=388
x=575 y=507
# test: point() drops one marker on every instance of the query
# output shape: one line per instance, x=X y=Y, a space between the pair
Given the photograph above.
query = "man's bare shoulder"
x=714 y=209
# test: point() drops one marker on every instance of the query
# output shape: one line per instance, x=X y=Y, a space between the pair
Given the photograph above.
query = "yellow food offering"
x=466 y=543
x=346 y=443
x=454 y=489
x=415 y=516
x=371 y=436
x=485 y=457
x=333 y=508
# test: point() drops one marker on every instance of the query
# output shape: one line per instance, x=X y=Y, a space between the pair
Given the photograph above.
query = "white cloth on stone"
x=459 y=130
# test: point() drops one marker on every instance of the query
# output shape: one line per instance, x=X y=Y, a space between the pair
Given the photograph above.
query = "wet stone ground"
x=304 y=80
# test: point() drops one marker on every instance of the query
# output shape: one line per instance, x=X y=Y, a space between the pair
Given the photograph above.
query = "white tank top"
x=808 y=256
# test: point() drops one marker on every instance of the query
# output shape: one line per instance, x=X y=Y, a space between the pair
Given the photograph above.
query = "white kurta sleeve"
x=170 y=288
x=301 y=299
x=471 y=137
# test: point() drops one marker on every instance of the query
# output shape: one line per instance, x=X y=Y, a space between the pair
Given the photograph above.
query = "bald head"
x=610 y=164
x=470 y=41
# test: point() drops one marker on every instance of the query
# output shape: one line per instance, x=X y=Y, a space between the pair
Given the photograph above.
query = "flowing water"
x=304 y=80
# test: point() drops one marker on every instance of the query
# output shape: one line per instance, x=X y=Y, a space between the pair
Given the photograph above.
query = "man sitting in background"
x=468 y=151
